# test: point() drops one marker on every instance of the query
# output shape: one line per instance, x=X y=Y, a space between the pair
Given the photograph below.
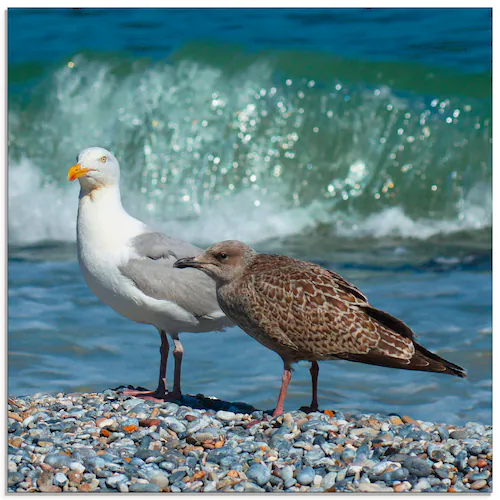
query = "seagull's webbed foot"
x=158 y=395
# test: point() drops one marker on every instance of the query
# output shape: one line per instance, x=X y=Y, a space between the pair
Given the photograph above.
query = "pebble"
x=417 y=466
x=113 y=481
x=144 y=488
x=314 y=454
x=251 y=487
x=108 y=443
x=225 y=416
x=374 y=488
x=57 y=460
x=122 y=487
x=60 y=479
x=422 y=484
x=286 y=473
x=306 y=476
x=328 y=480
x=479 y=484
x=259 y=473
x=160 y=478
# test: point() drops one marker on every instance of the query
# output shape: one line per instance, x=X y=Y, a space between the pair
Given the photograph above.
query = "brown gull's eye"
x=222 y=256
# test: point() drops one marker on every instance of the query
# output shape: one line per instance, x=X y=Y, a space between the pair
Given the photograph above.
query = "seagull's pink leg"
x=314 y=377
x=176 y=394
x=159 y=393
x=285 y=381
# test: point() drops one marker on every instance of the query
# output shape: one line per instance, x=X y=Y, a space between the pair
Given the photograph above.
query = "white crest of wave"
x=39 y=210
x=239 y=218
x=393 y=222
x=173 y=121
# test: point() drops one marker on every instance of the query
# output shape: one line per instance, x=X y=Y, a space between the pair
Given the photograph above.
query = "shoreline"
x=106 y=442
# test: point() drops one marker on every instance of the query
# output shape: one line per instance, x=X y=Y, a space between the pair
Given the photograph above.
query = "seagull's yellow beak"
x=76 y=171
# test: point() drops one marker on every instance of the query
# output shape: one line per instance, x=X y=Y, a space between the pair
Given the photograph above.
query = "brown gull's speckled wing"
x=308 y=312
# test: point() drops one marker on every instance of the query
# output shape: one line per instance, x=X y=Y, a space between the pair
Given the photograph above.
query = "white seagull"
x=129 y=266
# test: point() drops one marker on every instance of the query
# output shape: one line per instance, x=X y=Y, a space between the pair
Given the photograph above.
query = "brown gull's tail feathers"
x=435 y=363
x=422 y=360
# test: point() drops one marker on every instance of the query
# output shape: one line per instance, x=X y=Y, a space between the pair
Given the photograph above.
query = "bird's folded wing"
x=151 y=271
x=157 y=246
x=188 y=288
x=322 y=313
x=347 y=286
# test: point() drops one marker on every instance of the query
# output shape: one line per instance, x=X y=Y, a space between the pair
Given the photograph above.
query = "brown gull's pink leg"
x=160 y=392
x=285 y=381
x=314 y=370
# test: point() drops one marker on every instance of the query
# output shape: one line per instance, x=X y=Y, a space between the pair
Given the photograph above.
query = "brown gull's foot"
x=309 y=409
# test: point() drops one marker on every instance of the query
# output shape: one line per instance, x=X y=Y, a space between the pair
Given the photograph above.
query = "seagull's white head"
x=95 y=168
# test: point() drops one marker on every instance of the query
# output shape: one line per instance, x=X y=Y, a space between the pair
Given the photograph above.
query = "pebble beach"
x=106 y=442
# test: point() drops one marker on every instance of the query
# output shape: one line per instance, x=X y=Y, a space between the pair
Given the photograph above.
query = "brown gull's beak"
x=187 y=262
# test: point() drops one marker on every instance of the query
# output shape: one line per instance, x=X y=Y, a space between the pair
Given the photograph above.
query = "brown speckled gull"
x=305 y=312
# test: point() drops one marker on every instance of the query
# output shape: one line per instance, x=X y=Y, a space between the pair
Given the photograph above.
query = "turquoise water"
x=360 y=139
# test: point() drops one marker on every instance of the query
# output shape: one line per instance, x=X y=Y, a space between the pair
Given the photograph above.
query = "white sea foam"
x=39 y=210
x=244 y=151
x=394 y=222
x=46 y=211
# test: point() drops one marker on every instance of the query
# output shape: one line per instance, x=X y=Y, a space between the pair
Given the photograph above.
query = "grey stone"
x=395 y=475
x=286 y=472
x=160 y=478
x=207 y=434
x=94 y=463
x=168 y=466
x=329 y=480
x=348 y=455
x=225 y=416
x=58 y=460
x=479 y=475
x=176 y=476
x=458 y=434
x=122 y=487
x=306 y=476
x=60 y=479
x=314 y=454
x=443 y=432
x=175 y=425
x=129 y=404
x=144 y=488
x=113 y=481
x=251 y=487
x=146 y=453
x=259 y=473
x=14 y=478
x=422 y=485
x=441 y=472
x=418 y=466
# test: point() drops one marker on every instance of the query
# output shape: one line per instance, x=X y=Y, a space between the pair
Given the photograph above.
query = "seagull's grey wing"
x=152 y=273
x=160 y=246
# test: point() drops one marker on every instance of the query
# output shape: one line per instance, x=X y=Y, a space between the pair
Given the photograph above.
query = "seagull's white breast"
x=104 y=233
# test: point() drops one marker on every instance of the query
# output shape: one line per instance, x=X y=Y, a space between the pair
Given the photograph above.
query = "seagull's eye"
x=222 y=256
x=104 y=159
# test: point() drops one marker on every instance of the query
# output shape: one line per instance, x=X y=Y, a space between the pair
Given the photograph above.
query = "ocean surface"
x=359 y=139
